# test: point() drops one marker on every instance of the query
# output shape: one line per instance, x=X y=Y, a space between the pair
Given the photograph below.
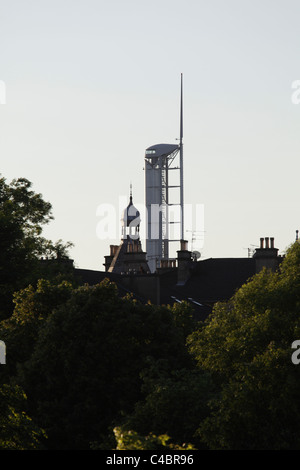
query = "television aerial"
x=196 y=255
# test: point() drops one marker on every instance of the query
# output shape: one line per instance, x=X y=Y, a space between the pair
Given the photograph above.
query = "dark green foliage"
x=23 y=213
x=174 y=405
x=247 y=344
x=32 y=307
x=17 y=430
x=87 y=369
x=131 y=440
x=84 y=372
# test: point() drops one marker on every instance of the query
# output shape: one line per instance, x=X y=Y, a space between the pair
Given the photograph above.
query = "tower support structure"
x=161 y=193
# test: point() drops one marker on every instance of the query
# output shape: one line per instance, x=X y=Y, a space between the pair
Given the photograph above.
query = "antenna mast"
x=160 y=159
x=181 y=162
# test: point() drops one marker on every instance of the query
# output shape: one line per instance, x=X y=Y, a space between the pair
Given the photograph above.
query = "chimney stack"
x=113 y=250
x=266 y=255
x=110 y=257
x=184 y=260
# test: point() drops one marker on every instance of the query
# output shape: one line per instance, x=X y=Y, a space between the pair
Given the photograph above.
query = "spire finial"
x=130 y=192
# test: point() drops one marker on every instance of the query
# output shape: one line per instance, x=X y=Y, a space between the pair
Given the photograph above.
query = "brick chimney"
x=266 y=255
x=184 y=261
x=110 y=257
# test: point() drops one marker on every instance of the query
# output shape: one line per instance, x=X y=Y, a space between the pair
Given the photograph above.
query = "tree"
x=246 y=345
x=20 y=331
x=17 y=430
x=23 y=213
x=174 y=404
x=84 y=372
x=131 y=440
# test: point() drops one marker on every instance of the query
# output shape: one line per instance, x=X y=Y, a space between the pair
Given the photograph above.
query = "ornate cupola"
x=128 y=257
x=130 y=221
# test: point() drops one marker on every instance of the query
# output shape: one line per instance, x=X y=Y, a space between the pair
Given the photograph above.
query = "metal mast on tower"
x=181 y=161
x=160 y=183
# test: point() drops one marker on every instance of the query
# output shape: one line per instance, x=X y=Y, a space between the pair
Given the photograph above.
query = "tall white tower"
x=163 y=163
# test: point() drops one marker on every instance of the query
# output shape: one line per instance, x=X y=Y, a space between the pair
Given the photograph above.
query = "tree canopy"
x=246 y=344
x=89 y=369
x=23 y=213
x=80 y=355
x=17 y=430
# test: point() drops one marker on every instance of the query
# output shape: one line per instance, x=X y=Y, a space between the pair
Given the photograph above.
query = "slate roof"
x=210 y=281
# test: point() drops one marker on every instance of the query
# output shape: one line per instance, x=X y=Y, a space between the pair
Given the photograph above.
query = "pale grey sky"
x=91 y=84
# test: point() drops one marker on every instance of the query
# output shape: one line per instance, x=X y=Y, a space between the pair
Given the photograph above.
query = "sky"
x=89 y=85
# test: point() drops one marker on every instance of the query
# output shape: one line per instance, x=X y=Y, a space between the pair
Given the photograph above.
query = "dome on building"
x=128 y=257
x=130 y=214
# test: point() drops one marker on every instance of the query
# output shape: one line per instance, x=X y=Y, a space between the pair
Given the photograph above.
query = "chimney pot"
x=272 y=242
x=267 y=242
x=262 y=242
x=183 y=245
x=112 y=250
